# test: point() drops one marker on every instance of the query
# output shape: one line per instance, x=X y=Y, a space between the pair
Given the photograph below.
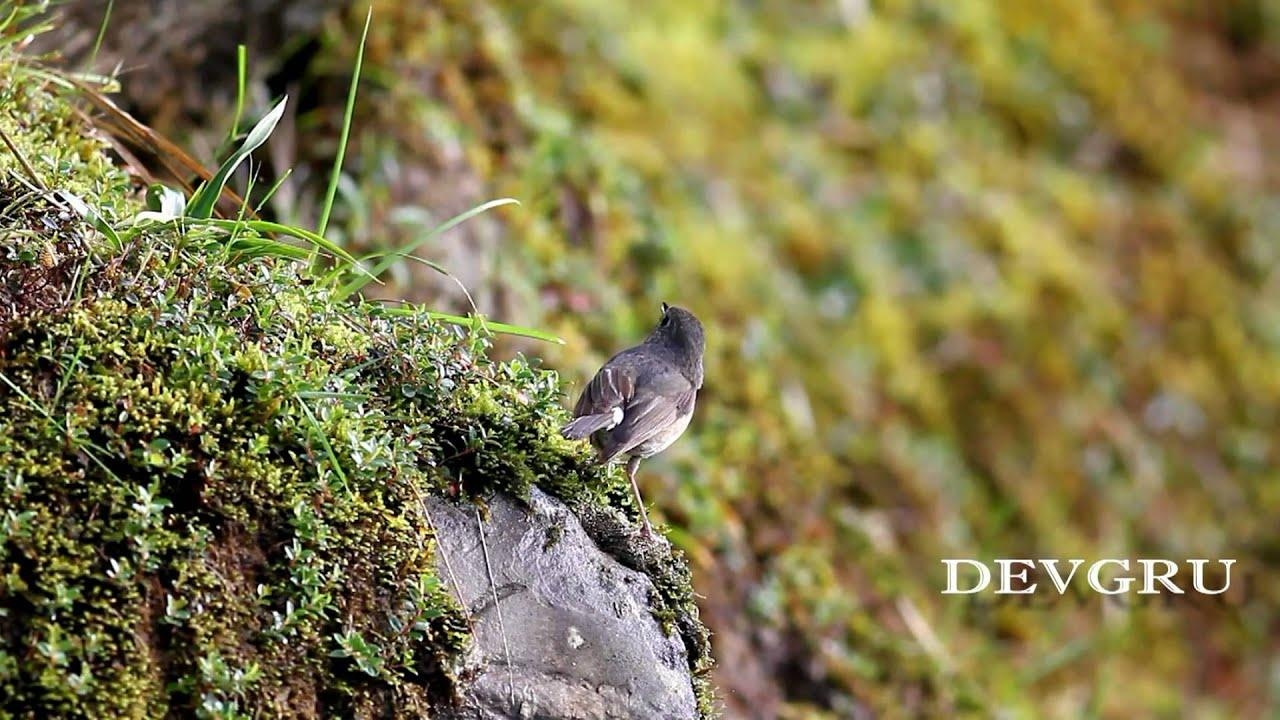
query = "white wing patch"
x=613 y=391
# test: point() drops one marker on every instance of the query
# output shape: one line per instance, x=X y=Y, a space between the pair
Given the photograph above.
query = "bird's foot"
x=650 y=536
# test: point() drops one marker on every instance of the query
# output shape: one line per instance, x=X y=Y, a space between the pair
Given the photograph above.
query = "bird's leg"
x=632 y=465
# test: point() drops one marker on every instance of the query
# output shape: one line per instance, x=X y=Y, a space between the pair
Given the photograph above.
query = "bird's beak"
x=665 y=308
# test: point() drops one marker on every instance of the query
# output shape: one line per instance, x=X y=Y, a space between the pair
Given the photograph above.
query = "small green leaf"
x=165 y=202
x=83 y=210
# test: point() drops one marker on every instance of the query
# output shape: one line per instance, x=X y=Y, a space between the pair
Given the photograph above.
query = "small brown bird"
x=643 y=397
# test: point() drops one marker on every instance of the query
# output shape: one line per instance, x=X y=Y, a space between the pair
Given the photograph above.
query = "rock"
x=570 y=634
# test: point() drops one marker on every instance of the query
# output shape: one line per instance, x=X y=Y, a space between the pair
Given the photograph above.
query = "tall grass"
x=246 y=235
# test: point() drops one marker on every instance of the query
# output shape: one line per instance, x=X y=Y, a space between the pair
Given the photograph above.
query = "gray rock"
x=570 y=634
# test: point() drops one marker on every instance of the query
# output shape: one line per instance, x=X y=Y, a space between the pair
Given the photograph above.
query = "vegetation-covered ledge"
x=212 y=473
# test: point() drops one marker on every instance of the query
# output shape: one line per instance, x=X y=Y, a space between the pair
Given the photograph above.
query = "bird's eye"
x=666 y=321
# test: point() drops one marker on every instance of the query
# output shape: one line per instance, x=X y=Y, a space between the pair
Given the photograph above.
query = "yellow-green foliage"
x=979 y=280
x=212 y=474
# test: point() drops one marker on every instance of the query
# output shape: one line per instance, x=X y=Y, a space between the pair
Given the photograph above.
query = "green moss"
x=211 y=479
x=209 y=486
x=554 y=534
x=53 y=143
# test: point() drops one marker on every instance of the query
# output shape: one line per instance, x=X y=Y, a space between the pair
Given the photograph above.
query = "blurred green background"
x=980 y=279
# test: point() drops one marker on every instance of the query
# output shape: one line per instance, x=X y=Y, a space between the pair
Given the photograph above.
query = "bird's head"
x=682 y=332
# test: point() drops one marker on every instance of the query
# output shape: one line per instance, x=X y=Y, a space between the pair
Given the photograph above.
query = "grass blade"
x=324 y=440
x=476 y=323
x=204 y=199
x=358 y=283
x=102 y=32
x=318 y=241
x=242 y=74
x=434 y=266
x=346 y=130
x=99 y=223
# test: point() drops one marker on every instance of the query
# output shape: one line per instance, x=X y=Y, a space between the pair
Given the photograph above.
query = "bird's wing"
x=612 y=387
x=665 y=397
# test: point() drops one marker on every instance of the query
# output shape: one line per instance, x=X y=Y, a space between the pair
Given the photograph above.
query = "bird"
x=642 y=399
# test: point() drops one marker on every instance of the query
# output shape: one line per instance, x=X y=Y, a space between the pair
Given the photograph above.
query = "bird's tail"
x=588 y=425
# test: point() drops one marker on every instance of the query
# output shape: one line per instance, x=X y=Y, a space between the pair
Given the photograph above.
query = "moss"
x=211 y=477
x=555 y=533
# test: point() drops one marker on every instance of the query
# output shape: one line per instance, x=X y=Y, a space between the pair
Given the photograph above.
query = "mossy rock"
x=213 y=473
